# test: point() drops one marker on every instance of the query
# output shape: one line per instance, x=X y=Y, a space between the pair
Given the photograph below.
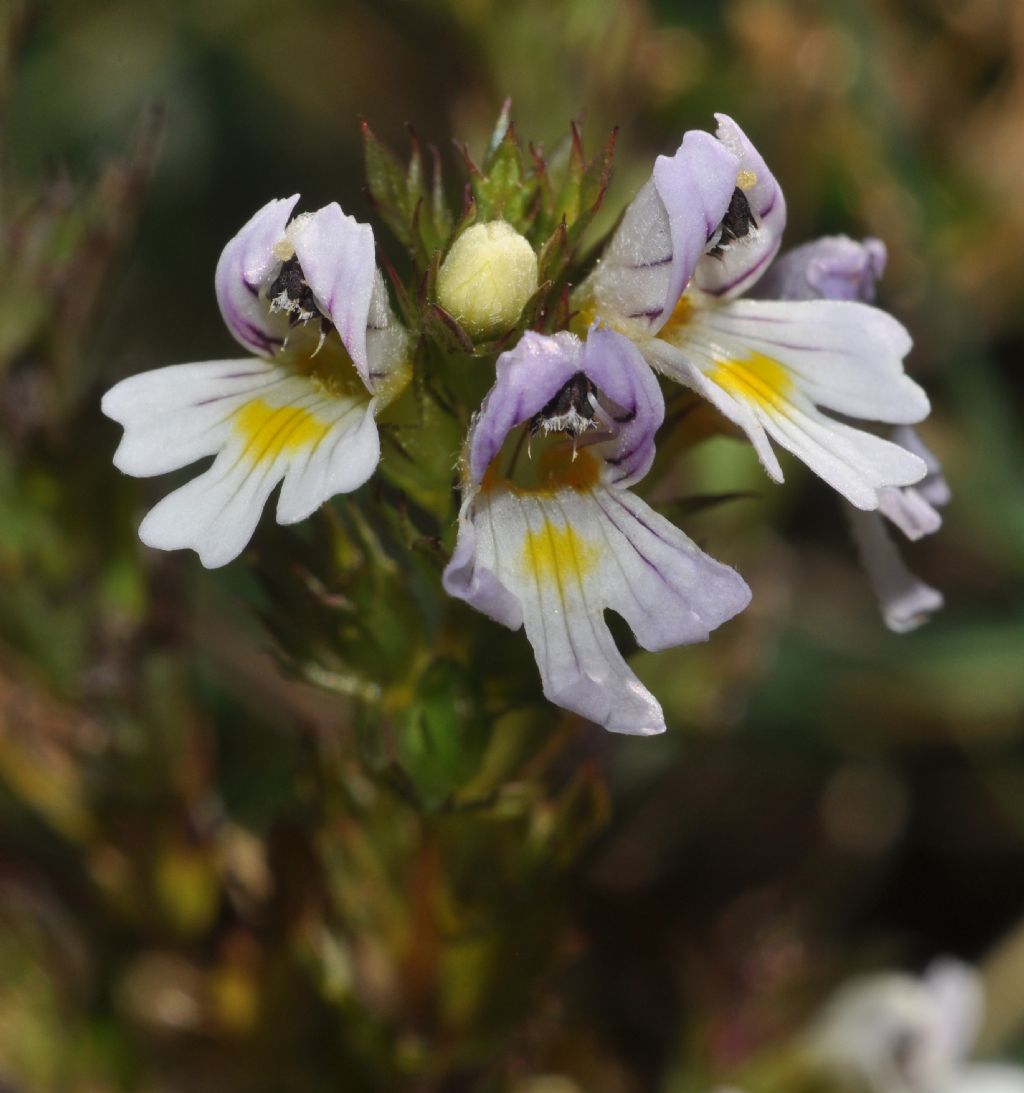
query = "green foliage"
x=412 y=206
x=550 y=202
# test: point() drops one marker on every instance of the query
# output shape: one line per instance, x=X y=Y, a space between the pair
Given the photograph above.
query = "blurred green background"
x=205 y=883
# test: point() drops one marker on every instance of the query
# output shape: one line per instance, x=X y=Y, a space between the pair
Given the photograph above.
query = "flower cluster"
x=550 y=532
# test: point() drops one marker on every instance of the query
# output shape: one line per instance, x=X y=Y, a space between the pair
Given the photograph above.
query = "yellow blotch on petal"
x=557 y=554
x=681 y=315
x=582 y=318
x=757 y=378
x=269 y=431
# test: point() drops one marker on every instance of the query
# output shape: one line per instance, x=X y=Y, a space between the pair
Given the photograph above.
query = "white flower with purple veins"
x=899 y=1034
x=550 y=534
x=696 y=238
x=840 y=268
x=303 y=296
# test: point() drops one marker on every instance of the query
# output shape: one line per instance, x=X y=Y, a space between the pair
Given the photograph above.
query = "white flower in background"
x=839 y=268
x=700 y=234
x=900 y=1034
x=550 y=534
x=304 y=297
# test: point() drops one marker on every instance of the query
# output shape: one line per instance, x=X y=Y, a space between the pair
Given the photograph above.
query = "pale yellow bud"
x=489 y=274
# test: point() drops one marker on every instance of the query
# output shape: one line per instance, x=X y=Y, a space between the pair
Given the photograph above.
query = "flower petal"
x=245 y=263
x=695 y=185
x=906 y=601
x=470 y=574
x=843 y=356
x=677 y=365
x=776 y=361
x=880 y=1033
x=745 y=259
x=340 y=462
x=959 y=997
x=527 y=378
x=319 y=443
x=760 y=396
x=336 y=254
x=909 y=511
x=933 y=487
x=556 y=561
x=663 y=233
x=529 y=375
x=667 y=589
x=834 y=267
x=176 y=415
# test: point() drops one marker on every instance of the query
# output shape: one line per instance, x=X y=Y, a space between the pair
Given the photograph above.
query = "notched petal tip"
x=265 y=425
x=556 y=561
x=905 y=601
x=340 y=462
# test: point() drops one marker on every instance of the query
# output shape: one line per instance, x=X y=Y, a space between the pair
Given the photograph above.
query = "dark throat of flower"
x=559 y=446
x=290 y=294
x=737 y=223
x=311 y=344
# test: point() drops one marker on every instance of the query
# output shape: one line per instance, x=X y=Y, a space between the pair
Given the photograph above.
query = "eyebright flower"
x=898 y=1034
x=698 y=235
x=550 y=535
x=839 y=268
x=304 y=297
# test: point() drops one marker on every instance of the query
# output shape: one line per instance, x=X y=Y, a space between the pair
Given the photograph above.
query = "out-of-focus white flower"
x=896 y=1033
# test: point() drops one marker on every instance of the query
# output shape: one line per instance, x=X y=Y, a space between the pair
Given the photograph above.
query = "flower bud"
x=487 y=278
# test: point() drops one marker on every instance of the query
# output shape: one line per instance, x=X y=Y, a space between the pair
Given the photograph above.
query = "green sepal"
x=438 y=203
x=446 y=331
x=554 y=254
x=503 y=188
x=413 y=208
x=387 y=186
x=583 y=188
x=498 y=133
